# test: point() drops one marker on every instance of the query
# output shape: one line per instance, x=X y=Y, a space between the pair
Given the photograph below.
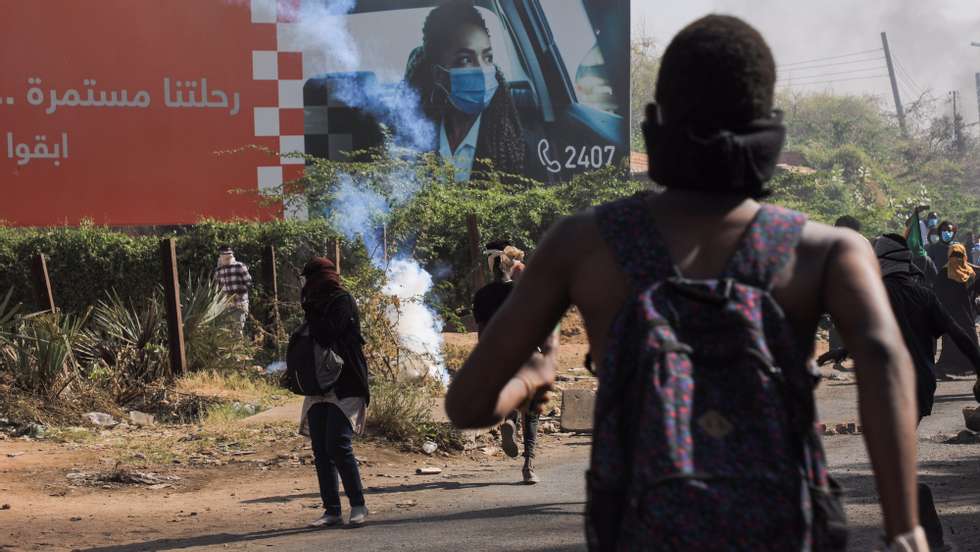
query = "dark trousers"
x=331 y=434
x=530 y=431
x=928 y=516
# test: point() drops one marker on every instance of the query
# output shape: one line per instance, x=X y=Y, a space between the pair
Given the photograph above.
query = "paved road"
x=483 y=509
x=951 y=470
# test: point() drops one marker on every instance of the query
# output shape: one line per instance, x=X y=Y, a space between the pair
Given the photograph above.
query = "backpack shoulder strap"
x=768 y=244
x=627 y=229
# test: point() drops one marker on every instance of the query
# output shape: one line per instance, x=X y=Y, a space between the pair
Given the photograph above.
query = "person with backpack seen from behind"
x=233 y=278
x=704 y=435
x=507 y=263
x=922 y=319
x=332 y=419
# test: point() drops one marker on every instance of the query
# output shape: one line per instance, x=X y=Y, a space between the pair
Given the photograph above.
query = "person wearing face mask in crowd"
x=957 y=286
x=464 y=94
x=930 y=226
x=939 y=242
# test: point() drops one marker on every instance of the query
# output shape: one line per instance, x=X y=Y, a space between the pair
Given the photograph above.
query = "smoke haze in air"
x=930 y=39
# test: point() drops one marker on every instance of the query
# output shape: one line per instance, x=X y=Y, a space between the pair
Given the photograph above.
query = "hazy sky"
x=930 y=38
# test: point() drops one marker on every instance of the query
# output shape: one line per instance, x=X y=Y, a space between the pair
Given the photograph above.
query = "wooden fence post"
x=175 y=323
x=42 y=283
x=270 y=277
x=476 y=251
x=336 y=254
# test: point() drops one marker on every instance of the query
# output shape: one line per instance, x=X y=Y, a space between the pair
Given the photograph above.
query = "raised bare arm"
x=486 y=390
x=855 y=296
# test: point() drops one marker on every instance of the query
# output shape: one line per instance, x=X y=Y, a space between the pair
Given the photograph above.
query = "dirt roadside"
x=181 y=481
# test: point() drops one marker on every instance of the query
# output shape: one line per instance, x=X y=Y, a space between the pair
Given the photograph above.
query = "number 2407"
x=589 y=158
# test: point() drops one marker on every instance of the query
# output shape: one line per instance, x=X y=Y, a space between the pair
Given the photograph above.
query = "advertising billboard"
x=142 y=112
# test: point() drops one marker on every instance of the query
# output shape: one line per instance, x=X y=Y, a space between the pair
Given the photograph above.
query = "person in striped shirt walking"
x=233 y=278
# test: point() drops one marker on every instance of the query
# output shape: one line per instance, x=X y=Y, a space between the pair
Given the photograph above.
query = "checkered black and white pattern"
x=308 y=118
x=234 y=280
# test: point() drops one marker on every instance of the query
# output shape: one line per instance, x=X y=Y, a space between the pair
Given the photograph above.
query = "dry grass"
x=231 y=386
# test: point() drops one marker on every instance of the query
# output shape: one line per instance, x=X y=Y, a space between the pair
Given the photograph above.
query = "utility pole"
x=977 y=45
x=957 y=123
x=978 y=96
x=899 y=110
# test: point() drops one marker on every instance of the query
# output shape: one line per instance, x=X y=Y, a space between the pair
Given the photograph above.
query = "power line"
x=835 y=64
x=875 y=68
x=907 y=88
x=830 y=57
x=792 y=84
x=908 y=75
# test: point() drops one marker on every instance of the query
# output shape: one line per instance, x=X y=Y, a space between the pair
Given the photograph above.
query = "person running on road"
x=713 y=142
x=923 y=320
x=507 y=263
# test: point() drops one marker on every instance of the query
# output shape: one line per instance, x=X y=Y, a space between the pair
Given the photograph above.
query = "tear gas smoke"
x=320 y=30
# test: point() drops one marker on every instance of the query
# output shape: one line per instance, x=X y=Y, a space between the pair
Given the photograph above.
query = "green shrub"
x=87 y=261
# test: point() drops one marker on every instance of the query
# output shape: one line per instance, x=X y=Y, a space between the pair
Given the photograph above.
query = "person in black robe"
x=957 y=286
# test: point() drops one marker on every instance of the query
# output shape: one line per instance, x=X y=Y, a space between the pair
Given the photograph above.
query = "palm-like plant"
x=42 y=352
x=126 y=345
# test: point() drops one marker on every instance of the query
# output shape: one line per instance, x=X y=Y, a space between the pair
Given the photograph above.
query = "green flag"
x=914 y=239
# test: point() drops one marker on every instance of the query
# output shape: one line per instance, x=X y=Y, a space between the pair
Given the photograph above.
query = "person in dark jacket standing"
x=332 y=420
x=957 y=286
x=939 y=242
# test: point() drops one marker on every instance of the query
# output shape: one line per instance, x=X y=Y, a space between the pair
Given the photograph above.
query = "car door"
x=577 y=52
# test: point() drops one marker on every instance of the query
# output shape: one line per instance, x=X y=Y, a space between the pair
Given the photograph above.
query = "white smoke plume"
x=321 y=32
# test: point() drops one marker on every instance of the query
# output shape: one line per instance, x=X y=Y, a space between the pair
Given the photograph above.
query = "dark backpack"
x=704 y=434
x=310 y=368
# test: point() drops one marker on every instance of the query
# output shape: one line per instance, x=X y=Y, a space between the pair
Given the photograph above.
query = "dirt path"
x=260 y=492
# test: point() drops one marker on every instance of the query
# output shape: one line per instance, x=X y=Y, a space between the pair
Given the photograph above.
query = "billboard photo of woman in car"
x=532 y=88
x=464 y=93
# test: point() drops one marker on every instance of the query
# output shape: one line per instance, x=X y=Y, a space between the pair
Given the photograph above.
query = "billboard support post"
x=171 y=292
x=42 y=283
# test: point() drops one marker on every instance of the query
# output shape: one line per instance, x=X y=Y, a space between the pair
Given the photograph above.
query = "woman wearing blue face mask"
x=939 y=242
x=464 y=94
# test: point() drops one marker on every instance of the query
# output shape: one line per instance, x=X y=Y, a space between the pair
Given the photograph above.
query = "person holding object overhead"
x=332 y=420
x=709 y=444
x=507 y=263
